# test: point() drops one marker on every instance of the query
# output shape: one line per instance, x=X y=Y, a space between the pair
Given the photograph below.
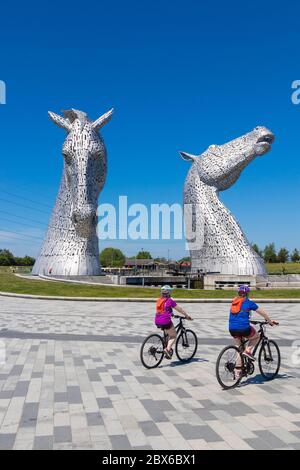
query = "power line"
x=15 y=222
x=23 y=205
x=25 y=198
x=24 y=218
x=18 y=233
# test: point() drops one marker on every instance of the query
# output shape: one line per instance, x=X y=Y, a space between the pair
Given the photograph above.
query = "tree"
x=295 y=256
x=112 y=257
x=283 y=255
x=6 y=258
x=270 y=253
x=257 y=249
x=25 y=261
x=143 y=255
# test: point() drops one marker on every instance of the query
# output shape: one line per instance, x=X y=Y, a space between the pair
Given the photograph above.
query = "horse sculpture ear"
x=60 y=121
x=102 y=120
x=188 y=156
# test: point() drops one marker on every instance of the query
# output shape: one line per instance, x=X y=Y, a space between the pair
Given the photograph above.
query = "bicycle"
x=152 y=349
x=269 y=360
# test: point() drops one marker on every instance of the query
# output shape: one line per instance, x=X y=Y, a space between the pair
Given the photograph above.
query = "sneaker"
x=168 y=354
x=249 y=355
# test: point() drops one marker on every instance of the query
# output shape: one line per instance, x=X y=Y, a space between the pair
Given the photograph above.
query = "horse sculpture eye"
x=67 y=158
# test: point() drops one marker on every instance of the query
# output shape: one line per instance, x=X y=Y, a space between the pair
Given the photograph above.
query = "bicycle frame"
x=179 y=328
x=263 y=340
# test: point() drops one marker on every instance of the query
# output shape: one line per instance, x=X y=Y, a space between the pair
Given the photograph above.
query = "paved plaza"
x=72 y=379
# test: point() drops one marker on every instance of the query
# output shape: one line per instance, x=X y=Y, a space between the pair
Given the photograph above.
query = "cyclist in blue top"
x=239 y=322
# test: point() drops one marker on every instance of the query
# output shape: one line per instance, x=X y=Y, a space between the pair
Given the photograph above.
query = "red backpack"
x=236 y=305
x=160 y=305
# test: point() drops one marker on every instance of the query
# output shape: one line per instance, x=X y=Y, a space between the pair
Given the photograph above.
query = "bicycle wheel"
x=269 y=360
x=152 y=351
x=186 y=345
x=225 y=367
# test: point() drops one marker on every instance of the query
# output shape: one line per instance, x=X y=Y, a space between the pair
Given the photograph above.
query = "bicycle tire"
x=261 y=359
x=181 y=339
x=232 y=365
x=152 y=353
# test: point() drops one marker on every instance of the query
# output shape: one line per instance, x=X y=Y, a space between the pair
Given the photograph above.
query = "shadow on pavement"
x=259 y=379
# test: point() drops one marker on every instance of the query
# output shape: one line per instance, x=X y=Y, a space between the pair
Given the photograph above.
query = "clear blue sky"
x=180 y=75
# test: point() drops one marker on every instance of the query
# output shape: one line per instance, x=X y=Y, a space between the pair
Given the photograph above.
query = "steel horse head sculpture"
x=216 y=241
x=71 y=243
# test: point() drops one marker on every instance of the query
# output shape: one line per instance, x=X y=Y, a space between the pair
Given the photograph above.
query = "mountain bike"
x=269 y=360
x=152 y=349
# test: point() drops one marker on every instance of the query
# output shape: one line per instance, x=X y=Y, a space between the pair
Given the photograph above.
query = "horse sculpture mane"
x=216 y=241
x=71 y=243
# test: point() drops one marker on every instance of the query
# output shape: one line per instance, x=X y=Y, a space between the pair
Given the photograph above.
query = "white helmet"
x=166 y=288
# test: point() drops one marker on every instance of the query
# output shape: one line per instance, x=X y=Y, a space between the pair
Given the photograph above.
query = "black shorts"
x=241 y=333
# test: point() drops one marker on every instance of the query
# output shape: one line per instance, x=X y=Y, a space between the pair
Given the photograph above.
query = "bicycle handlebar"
x=256 y=322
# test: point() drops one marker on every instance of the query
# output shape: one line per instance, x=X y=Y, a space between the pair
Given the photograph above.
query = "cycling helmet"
x=166 y=289
x=244 y=289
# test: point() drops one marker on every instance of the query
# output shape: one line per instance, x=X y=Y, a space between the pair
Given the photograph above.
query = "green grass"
x=289 y=268
x=11 y=283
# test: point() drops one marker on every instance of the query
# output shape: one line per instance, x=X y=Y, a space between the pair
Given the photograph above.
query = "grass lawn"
x=289 y=268
x=11 y=283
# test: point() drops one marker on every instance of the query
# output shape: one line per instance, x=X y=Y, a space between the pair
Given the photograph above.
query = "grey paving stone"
x=49 y=360
x=120 y=442
x=204 y=414
x=101 y=369
x=112 y=390
x=118 y=378
x=94 y=419
x=157 y=408
x=29 y=415
x=61 y=397
x=104 y=403
x=16 y=370
x=237 y=409
x=43 y=443
x=6 y=394
x=190 y=432
x=125 y=372
x=21 y=388
x=7 y=441
x=142 y=448
x=208 y=405
x=74 y=395
x=93 y=375
x=149 y=380
x=270 y=438
x=37 y=375
x=288 y=407
x=181 y=393
x=149 y=428
x=258 y=444
x=62 y=434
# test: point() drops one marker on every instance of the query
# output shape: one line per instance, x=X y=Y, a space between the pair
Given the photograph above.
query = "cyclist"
x=163 y=318
x=239 y=323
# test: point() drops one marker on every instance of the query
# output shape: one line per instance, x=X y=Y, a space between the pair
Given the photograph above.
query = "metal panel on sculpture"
x=216 y=242
x=71 y=243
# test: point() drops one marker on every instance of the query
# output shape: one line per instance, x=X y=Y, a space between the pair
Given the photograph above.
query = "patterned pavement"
x=72 y=379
